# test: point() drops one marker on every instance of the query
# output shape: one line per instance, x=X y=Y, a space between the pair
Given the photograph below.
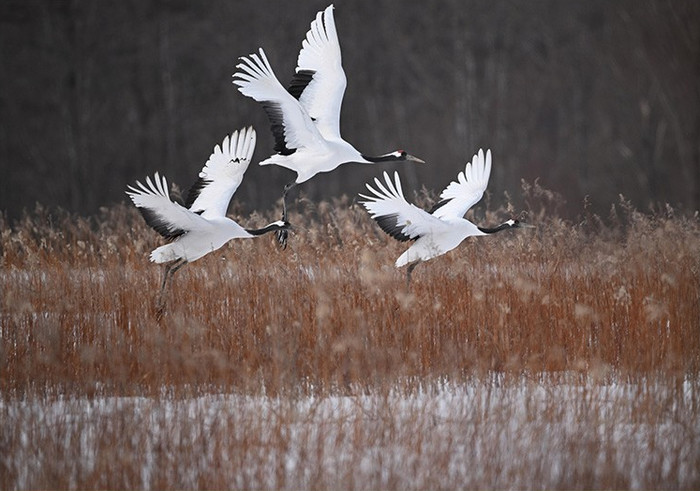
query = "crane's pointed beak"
x=415 y=159
x=525 y=225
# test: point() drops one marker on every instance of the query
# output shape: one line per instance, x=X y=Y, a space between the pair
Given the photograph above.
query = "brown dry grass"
x=587 y=303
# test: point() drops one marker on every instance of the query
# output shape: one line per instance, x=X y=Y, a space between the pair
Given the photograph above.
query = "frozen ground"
x=496 y=434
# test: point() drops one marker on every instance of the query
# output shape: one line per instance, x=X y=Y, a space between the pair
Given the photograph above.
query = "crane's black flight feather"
x=300 y=81
x=156 y=222
x=274 y=114
x=390 y=225
x=439 y=205
x=196 y=190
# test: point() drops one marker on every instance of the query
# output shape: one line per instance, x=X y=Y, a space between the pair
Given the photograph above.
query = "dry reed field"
x=562 y=357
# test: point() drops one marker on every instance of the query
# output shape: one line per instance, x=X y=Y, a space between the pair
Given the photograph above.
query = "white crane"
x=306 y=119
x=201 y=226
x=444 y=227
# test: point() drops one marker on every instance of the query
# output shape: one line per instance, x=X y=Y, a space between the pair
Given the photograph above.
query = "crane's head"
x=515 y=223
x=403 y=155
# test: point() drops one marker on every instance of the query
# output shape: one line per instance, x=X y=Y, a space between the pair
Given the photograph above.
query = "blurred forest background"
x=594 y=98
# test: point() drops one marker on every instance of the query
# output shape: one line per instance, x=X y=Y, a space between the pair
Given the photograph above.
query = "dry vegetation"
x=561 y=357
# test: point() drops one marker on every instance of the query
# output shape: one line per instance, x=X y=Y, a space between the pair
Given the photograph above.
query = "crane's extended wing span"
x=291 y=125
x=467 y=190
x=167 y=218
x=396 y=216
x=319 y=82
x=222 y=174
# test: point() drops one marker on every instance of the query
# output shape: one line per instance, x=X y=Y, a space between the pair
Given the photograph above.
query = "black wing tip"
x=300 y=81
x=159 y=225
x=390 y=225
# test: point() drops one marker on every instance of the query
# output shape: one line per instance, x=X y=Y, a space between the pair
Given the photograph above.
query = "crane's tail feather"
x=164 y=254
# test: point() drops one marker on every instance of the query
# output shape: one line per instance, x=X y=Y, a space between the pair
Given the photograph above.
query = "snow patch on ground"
x=516 y=435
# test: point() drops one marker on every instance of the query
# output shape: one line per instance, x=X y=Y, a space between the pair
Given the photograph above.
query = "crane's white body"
x=440 y=231
x=307 y=128
x=202 y=237
x=201 y=226
x=438 y=240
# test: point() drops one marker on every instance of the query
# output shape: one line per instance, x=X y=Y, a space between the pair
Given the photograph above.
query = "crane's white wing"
x=467 y=190
x=222 y=174
x=291 y=125
x=167 y=218
x=396 y=216
x=319 y=82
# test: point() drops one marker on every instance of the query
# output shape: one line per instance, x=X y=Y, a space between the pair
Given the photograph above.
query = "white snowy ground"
x=517 y=435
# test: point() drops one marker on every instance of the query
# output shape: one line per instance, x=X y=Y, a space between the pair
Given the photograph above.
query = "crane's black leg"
x=409 y=270
x=170 y=270
x=283 y=234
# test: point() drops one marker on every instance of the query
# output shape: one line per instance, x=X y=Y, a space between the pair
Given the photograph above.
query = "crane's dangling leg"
x=409 y=270
x=283 y=234
x=170 y=270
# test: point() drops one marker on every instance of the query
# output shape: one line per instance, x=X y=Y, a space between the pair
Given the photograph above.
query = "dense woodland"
x=594 y=99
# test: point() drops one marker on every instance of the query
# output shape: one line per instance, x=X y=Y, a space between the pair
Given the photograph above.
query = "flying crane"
x=201 y=226
x=444 y=227
x=305 y=119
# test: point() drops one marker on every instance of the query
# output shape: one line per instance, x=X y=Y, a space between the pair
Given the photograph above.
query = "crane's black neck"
x=390 y=157
x=503 y=226
x=273 y=227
